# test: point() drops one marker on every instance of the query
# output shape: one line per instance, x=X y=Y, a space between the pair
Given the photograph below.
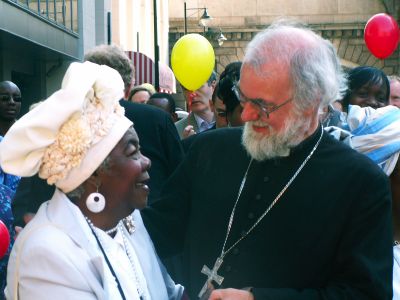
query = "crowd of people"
x=283 y=182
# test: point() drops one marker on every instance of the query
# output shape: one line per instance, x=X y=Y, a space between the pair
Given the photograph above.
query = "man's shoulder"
x=343 y=155
x=221 y=137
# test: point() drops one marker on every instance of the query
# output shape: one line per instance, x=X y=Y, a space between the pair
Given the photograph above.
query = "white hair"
x=314 y=67
x=261 y=147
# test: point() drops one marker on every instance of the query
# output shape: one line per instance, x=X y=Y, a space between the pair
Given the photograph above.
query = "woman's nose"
x=249 y=113
x=146 y=163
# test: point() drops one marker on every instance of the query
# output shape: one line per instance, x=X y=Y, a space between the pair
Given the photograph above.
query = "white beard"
x=276 y=144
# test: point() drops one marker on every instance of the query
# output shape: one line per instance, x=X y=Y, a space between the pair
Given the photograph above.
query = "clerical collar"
x=308 y=143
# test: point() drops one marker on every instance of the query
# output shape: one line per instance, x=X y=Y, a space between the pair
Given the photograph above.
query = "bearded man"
x=279 y=210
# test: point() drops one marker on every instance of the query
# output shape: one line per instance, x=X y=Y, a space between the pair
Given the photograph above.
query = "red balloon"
x=4 y=239
x=381 y=35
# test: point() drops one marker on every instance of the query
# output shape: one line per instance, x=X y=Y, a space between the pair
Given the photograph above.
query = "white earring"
x=95 y=202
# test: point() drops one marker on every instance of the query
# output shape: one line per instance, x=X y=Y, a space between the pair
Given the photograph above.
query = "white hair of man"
x=314 y=67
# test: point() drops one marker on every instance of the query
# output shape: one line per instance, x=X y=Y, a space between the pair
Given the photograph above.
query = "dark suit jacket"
x=158 y=140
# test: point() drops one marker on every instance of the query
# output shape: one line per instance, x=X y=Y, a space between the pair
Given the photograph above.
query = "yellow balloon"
x=192 y=60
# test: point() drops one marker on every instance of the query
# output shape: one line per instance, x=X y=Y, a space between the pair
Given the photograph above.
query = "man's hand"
x=188 y=131
x=231 y=294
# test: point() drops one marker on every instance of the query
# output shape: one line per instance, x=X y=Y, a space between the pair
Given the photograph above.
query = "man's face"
x=10 y=101
x=270 y=136
x=395 y=93
x=198 y=100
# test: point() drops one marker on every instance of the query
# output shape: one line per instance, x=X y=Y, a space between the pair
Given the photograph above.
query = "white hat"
x=69 y=135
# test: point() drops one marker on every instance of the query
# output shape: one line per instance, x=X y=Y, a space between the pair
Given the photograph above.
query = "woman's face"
x=370 y=94
x=124 y=183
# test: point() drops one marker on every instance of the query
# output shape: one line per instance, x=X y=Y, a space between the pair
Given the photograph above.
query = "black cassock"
x=328 y=237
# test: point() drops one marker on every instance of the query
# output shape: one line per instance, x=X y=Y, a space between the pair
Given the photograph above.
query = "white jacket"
x=56 y=257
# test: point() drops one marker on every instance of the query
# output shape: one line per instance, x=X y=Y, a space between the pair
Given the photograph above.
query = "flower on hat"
x=79 y=133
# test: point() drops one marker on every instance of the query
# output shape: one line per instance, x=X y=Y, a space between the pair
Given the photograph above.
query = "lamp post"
x=156 y=49
x=221 y=38
x=204 y=19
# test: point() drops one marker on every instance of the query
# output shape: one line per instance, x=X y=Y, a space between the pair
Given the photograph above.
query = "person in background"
x=165 y=102
x=10 y=107
x=88 y=241
x=255 y=211
x=201 y=117
x=149 y=87
x=367 y=86
x=219 y=109
x=139 y=94
x=227 y=91
x=394 y=90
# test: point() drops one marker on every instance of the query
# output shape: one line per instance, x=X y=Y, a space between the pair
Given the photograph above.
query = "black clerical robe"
x=328 y=237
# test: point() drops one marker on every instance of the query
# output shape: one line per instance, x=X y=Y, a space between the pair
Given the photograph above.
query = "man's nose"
x=249 y=113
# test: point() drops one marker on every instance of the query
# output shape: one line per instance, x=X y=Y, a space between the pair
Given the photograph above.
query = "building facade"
x=40 y=38
x=341 y=21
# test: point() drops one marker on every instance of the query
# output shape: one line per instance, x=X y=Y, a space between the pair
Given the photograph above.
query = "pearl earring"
x=95 y=202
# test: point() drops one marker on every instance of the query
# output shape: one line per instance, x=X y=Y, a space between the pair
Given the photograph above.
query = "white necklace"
x=93 y=229
x=131 y=260
x=130 y=226
x=212 y=273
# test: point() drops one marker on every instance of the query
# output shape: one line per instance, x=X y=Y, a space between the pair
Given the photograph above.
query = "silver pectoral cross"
x=211 y=275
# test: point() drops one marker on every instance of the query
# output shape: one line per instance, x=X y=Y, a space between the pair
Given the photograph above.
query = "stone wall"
x=340 y=21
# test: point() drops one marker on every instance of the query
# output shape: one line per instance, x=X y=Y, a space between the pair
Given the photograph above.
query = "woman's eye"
x=132 y=150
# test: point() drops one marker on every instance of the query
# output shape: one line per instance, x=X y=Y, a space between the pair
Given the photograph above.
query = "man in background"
x=201 y=117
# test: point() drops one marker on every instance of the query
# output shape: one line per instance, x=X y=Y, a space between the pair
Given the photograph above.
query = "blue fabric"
x=378 y=124
x=8 y=186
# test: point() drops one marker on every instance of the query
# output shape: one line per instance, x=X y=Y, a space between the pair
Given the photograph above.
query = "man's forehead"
x=8 y=87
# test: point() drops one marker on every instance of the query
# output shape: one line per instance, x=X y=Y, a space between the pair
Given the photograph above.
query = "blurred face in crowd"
x=199 y=100
x=219 y=113
x=273 y=124
x=10 y=101
x=395 y=93
x=370 y=94
x=140 y=97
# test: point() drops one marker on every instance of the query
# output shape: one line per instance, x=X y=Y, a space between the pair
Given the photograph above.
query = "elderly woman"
x=88 y=241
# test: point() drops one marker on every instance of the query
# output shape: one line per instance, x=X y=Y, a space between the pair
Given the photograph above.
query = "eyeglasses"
x=7 y=98
x=261 y=105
